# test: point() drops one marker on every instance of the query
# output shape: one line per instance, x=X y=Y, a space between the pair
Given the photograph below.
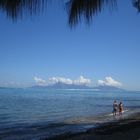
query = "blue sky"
x=45 y=46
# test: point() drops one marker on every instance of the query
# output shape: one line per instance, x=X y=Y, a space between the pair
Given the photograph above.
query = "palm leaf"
x=86 y=8
x=136 y=4
x=17 y=8
x=76 y=8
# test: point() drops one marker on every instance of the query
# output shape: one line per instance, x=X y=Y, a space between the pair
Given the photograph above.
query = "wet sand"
x=127 y=128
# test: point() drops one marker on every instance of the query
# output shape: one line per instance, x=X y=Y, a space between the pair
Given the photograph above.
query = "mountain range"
x=73 y=86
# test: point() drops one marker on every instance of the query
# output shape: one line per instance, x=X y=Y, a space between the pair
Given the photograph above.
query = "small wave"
x=111 y=114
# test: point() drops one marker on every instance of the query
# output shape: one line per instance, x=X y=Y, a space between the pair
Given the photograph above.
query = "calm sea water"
x=40 y=113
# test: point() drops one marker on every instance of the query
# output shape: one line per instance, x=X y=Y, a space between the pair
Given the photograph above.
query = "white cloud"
x=82 y=81
x=53 y=80
x=39 y=81
x=109 y=81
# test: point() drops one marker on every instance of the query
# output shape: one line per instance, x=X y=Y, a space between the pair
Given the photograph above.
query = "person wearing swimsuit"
x=115 y=107
x=120 y=108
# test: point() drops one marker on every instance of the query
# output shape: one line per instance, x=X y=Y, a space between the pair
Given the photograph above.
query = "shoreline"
x=126 y=128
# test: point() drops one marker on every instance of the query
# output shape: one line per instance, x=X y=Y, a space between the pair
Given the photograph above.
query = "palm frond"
x=136 y=3
x=86 y=8
x=76 y=8
x=16 y=8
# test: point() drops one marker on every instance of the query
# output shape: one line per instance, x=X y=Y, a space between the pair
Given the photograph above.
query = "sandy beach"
x=127 y=128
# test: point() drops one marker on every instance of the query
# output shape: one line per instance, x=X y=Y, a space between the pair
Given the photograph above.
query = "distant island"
x=60 y=85
x=73 y=86
x=108 y=88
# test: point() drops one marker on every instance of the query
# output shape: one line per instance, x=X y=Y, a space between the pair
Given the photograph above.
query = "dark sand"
x=123 y=129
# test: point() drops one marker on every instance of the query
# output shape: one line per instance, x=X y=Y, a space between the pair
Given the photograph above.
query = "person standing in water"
x=120 y=108
x=115 y=107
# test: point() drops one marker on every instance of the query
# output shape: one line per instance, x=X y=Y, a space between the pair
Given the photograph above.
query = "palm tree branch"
x=77 y=9
x=86 y=9
x=16 y=8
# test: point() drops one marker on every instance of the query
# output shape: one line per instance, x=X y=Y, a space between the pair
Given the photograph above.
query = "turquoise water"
x=40 y=113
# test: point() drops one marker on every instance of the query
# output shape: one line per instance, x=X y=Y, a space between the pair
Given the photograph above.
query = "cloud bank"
x=109 y=81
x=82 y=81
x=54 y=80
x=39 y=81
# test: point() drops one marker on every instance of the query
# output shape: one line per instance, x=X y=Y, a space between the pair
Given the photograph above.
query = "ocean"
x=41 y=113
